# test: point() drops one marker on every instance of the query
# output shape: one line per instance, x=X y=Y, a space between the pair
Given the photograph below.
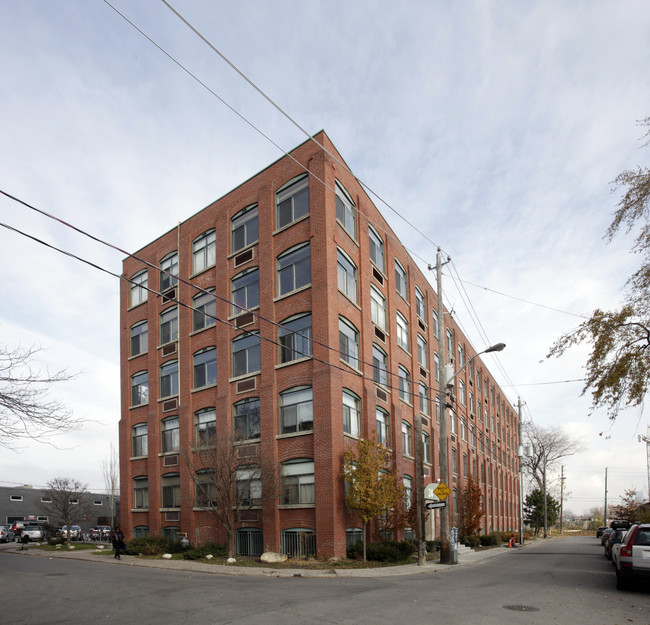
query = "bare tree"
x=231 y=480
x=111 y=473
x=549 y=445
x=26 y=409
x=67 y=501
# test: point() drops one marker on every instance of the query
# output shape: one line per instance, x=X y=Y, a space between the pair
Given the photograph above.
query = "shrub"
x=433 y=545
x=197 y=553
x=355 y=551
x=489 y=540
x=152 y=546
x=471 y=541
x=389 y=551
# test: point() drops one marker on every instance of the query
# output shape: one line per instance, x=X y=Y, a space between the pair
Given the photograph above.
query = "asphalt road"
x=561 y=581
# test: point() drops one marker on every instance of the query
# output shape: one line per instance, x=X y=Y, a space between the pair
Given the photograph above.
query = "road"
x=560 y=581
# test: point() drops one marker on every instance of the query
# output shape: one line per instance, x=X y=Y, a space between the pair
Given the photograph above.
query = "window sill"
x=134 y=356
x=244 y=376
x=349 y=299
x=289 y=225
x=290 y=293
x=168 y=397
x=139 y=509
x=198 y=273
x=347 y=364
x=138 y=406
x=293 y=362
x=294 y=434
x=293 y=506
x=349 y=235
x=203 y=388
x=138 y=457
x=169 y=509
x=194 y=332
x=250 y=246
x=354 y=437
x=244 y=311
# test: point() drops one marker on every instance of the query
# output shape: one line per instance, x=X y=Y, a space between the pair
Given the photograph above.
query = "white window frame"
x=204 y=251
x=169 y=271
x=403 y=338
x=349 y=338
x=246 y=223
x=351 y=413
x=346 y=275
x=297 y=403
x=378 y=308
x=401 y=280
x=139 y=284
x=346 y=212
x=377 y=252
x=288 y=279
x=292 y=190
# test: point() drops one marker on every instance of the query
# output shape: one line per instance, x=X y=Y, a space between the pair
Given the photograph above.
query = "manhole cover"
x=521 y=608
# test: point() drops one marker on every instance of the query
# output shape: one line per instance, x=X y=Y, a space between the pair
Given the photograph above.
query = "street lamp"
x=447 y=381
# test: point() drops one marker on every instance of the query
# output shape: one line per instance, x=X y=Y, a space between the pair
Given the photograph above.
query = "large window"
x=204 y=251
x=383 y=427
x=423 y=358
x=347 y=275
x=245 y=354
x=169 y=325
x=298 y=482
x=139 y=338
x=349 y=342
x=424 y=398
x=461 y=392
x=436 y=326
x=407 y=438
x=436 y=365
x=245 y=290
x=169 y=379
x=140 y=447
x=408 y=491
x=206 y=489
x=351 y=413
x=244 y=228
x=140 y=388
x=169 y=435
x=294 y=269
x=292 y=201
x=205 y=367
x=248 y=486
x=169 y=271
x=377 y=308
x=380 y=365
x=296 y=410
x=204 y=314
x=246 y=418
x=205 y=427
x=171 y=490
x=420 y=304
x=346 y=213
x=400 y=280
x=141 y=493
x=426 y=447
x=139 y=284
x=402 y=332
x=376 y=249
x=294 y=337
x=404 y=383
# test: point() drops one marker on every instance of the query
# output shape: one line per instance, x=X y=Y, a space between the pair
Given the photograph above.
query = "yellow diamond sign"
x=442 y=491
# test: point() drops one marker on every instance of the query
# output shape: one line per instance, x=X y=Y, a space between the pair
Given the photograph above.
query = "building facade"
x=288 y=316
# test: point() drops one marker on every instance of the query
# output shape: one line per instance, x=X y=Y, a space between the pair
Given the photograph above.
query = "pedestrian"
x=24 y=539
x=118 y=542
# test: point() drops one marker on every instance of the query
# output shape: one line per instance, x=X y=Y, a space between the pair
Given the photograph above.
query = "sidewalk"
x=466 y=558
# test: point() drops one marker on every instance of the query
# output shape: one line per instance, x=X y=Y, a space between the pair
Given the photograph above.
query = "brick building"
x=313 y=326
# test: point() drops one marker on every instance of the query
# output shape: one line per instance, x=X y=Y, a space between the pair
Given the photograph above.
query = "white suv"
x=632 y=556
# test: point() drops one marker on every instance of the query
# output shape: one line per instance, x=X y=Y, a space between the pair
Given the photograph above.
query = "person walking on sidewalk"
x=118 y=542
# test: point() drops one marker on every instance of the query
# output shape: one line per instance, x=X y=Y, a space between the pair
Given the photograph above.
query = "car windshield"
x=642 y=536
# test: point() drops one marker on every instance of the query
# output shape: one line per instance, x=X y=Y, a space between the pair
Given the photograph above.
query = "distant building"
x=313 y=326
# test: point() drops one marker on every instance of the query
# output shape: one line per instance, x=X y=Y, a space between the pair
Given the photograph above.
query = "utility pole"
x=646 y=439
x=419 y=485
x=605 y=513
x=521 y=453
x=561 y=497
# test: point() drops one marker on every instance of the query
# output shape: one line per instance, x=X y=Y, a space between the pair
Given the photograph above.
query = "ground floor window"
x=299 y=543
x=140 y=530
x=409 y=533
x=171 y=533
x=353 y=535
x=249 y=542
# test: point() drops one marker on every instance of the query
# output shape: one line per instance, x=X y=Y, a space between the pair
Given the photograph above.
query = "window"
x=408 y=491
x=347 y=275
x=169 y=435
x=426 y=447
x=349 y=342
x=298 y=542
x=249 y=541
x=407 y=438
x=171 y=490
x=402 y=332
x=461 y=392
x=424 y=398
x=478 y=379
x=169 y=325
x=140 y=445
x=351 y=414
x=437 y=409
x=461 y=356
x=450 y=345
x=205 y=367
x=248 y=486
x=383 y=427
x=400 y=280
x=353 y=536
x=296 y=410
x=245 y=290
x=204 y=251
x=140 y=531
x=471 y=402
x=139 y=284
x=465 y=465
x=169 y=379
x=292 y=201
x=294 y=337
x=141 y=493
x=420 y=304
x=423 y=358
x=294 y=269
x=463 y=428
x=205 y=427
x=298 y=482
x=15 y=497
x=377 y=308
x=404 y=384
x=245 y=354
x=244 y=228
x=380 y=365
x=376 y=249
x=140 y=388
x=246 y=417
x=139 y=338
x=206 y=489
x=204 y=314
x=169 y=271
x=436 y=365
x=46 y=499
x=454 y=460
x=346 y=213
x=436 y=326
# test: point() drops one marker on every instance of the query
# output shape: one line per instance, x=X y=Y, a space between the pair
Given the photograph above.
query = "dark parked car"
x=614 y=538
x=632 y=556
x=599 y=531
x=605 y=535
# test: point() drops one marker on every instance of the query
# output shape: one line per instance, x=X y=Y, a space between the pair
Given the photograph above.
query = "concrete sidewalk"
x=466 y=558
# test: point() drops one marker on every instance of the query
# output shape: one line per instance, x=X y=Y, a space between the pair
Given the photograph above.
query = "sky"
x=490 y=129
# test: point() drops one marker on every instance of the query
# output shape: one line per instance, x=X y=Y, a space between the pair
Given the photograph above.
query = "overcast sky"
x=495 y=127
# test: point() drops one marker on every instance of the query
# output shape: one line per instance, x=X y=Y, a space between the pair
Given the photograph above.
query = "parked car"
x=632 y=556
x=6 y=534
x=614 y=538
x=34 y=532
x=605 y=535
x=75 y=532
x=599 y=531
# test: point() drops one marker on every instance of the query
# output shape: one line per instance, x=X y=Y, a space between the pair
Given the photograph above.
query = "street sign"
x=430 y=491
x=432 y=505
x=442 y=491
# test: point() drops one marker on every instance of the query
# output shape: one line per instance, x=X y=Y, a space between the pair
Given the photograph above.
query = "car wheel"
x=621 y=582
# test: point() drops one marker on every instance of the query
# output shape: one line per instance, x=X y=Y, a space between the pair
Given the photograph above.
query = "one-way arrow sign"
x=432 y=505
